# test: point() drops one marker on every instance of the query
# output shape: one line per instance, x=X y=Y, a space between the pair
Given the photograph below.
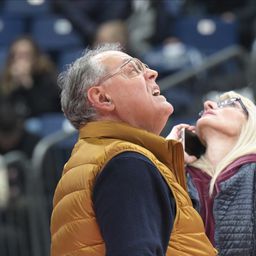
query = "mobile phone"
x=193 y=146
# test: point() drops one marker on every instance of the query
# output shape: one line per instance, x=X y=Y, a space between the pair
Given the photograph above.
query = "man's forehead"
x=112 y=56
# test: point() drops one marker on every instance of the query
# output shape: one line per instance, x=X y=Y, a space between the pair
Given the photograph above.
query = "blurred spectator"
x=151 y=38
x=13 y=136
x=88 y=16
x=111 y=32
x=15 y=143
x=143 y=24
x=29 y=79
x=151 y=23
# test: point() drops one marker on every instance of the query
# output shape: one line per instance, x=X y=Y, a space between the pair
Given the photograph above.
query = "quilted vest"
x=234 y=213
x=74 y=229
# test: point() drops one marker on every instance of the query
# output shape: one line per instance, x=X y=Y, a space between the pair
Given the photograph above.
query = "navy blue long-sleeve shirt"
x=134 y=207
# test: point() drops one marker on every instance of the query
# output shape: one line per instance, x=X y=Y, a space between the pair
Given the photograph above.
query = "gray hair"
x=74 y=82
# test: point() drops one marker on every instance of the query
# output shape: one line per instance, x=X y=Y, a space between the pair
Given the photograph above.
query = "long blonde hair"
x=246 y=143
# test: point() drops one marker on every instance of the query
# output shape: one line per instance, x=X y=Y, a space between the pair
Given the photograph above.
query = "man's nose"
x=151 y=74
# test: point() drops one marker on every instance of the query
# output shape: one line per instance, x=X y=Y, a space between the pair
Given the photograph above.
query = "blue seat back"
x=55 y=33
x=26 y=8
x=10 y=29
x=50 y=123
x=209 y=34
x=67 y=57
x=3 y=56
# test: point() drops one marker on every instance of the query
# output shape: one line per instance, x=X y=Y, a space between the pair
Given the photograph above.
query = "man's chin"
x=169 y=108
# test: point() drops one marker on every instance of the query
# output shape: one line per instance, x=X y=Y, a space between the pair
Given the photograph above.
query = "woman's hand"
x=188 y=159
x=21 y=71
x=177 y=133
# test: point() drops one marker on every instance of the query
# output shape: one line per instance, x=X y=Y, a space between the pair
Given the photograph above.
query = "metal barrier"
x=48 y=159
x=210 y=62
x=19 y=234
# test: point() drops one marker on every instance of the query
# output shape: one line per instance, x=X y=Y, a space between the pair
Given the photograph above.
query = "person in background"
x=88 y=17
x=222 y=181
x=114 y=31
x=16 y=150
x=123 y=190
x=13 y=135
x=29 y=79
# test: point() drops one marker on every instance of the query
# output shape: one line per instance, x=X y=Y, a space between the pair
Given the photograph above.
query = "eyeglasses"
x=231 y=102
x=129 y=69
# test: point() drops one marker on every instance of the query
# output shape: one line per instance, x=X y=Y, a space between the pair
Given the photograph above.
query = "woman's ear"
x=99 y=98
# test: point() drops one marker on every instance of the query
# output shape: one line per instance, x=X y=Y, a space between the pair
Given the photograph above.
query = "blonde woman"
x=222 y=181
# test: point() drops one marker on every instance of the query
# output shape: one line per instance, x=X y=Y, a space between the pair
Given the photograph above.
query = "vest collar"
x=169 y=152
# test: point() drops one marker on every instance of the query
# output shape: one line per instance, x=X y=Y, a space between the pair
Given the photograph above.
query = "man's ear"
x=99 y=98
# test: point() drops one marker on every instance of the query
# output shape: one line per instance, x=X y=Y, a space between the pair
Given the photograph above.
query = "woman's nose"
x=209 y=105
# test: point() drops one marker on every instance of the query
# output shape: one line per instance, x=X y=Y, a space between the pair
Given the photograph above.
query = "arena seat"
x=55 y=33
x=25 y=8
x=209 y=34
x=10 y=29
x=68 y=56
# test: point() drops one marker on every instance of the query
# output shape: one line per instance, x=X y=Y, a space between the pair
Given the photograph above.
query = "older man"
x=123 y=189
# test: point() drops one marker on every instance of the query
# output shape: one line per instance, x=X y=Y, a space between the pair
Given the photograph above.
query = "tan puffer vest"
x=74 y=228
